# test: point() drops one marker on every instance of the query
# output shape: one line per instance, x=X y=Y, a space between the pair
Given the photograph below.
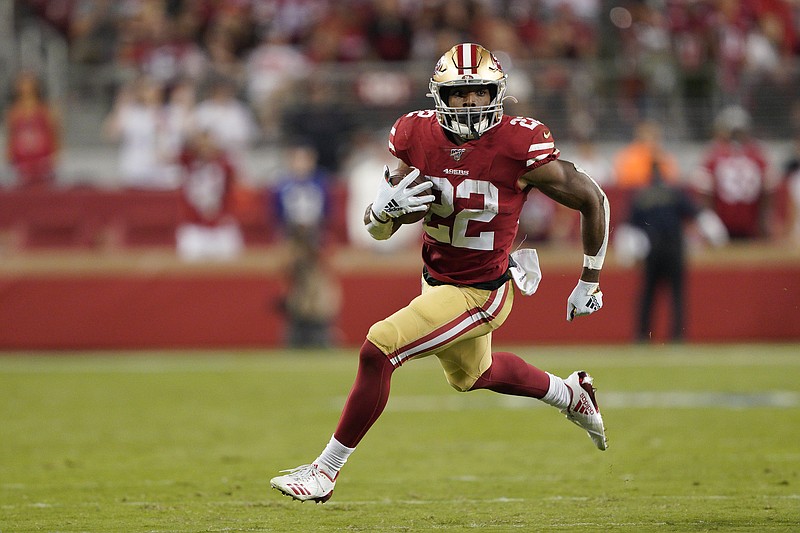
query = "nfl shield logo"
x=457 y=153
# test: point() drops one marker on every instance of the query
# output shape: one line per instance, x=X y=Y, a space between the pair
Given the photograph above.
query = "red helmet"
x=468 y=64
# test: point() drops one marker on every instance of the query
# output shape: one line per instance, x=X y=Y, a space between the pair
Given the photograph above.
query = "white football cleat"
x=306 y=482
x=583 y=410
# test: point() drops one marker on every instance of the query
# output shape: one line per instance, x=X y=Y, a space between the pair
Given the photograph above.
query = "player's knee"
x=371 y=356
x=384 y=334
x=460 y=382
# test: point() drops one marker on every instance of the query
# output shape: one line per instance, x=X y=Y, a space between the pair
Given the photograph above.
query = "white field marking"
x=390 y=501
x=705 y=497
x=606 y=399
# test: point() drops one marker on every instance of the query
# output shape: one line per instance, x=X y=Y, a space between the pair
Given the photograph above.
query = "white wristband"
x=593 y=262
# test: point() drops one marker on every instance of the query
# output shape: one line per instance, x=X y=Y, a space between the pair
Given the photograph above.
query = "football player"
x=735 y=178
x=480 y=166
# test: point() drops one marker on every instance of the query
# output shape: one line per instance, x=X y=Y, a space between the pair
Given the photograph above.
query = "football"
x=409 y=218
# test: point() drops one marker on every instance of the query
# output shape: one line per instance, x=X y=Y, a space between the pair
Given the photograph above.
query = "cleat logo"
x=584 y=406
x=299 y=489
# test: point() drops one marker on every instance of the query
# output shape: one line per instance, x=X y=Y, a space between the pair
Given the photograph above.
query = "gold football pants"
x=454 y=323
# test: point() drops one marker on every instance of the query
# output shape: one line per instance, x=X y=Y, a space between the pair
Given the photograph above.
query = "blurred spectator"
x=322 y=41
x=302 y=197
x=274 y=69
x=390 y=31
x=229 y=121
x=313 y=300
x=645 y=64
x=177 y=126
x=633 y=165
x=567 y=34
x=151 y=42
x=223 y=62
x=693 y=48
x=671 y=61
x=769 y=74
x=93 y=31
x=734 y=177
x=136 y=124
x=208 y=227
x=169 y=52
x=33 y=136
x=426 y=30
x=456 y=19
x=321 y=121
x=792 y=176
x=730 y=26
x=587 y=154
x=659 y=213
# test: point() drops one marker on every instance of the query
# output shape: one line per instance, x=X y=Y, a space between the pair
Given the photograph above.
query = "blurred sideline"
x=148 y=298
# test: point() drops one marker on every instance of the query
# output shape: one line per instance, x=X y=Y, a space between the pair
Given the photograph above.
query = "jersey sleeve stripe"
x=539 y=158
x=541 y=146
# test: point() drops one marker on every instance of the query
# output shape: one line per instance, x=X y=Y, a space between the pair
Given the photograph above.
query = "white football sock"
x=333 y=457
x=557 y=393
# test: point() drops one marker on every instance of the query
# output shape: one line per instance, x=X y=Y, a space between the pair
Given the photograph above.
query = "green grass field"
x=702 y=438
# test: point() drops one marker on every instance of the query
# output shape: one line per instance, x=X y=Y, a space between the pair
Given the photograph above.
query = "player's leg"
x=431 y=320
x=676 y=282
x=469 y=364
x=510 y=374
x=467 y=358
x=364 y=405
x=647 y=299
x=507 y=373
x=367 y=398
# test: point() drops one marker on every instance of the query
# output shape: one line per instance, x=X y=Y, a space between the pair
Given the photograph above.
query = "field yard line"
x=390 y=501
x=607 y=399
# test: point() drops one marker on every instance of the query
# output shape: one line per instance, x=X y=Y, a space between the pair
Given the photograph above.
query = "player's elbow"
x=595 y=199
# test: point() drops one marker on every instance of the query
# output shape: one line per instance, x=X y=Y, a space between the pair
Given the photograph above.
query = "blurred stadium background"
x=142 y=391
x=88 y=259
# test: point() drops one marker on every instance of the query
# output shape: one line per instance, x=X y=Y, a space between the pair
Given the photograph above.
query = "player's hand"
x=586 y=298
x=394 y=201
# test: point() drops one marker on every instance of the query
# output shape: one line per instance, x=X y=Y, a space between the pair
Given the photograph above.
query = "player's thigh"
x=440 y=317
x=465 y=361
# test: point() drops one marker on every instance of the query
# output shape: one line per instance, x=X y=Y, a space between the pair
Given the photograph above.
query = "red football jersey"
x=207 y=189
x=471 y=226
x=32 y=145
x=735 y=175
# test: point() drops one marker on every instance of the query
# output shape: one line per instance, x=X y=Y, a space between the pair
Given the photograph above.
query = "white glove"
x=586 y=298
x=394 y=201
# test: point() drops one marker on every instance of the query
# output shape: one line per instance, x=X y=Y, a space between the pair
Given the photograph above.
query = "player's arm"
x=566 y=184
x=392 y=201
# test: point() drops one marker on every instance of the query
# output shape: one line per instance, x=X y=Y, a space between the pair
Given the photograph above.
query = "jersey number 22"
x=457 y=234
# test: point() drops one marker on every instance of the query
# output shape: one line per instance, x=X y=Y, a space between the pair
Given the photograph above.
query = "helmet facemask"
x=470 y=66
